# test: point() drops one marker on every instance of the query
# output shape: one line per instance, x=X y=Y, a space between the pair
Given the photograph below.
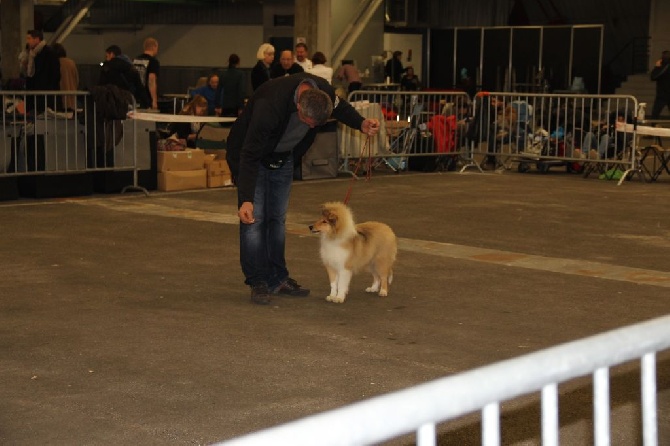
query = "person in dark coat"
x=234 y=86
x=260 y=73
x=286 y=66
x=42 y=70
x=118 y=70
x=281 y=115
x=394 y=69
x=661 y=75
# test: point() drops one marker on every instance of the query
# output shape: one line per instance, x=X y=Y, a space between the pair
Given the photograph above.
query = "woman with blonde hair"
x=189 y=130
x=261 y=71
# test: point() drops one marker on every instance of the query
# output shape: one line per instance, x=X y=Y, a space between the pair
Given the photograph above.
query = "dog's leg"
x=375 y=282
x=332 y=278
x=343 y=279
x=385 y=276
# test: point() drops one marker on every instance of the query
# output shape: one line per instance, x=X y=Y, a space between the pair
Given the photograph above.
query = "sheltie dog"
x=347 y=247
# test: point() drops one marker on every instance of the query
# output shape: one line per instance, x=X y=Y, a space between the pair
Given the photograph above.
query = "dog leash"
x=368 y=173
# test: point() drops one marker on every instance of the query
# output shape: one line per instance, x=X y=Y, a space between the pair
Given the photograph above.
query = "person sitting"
x=286 y=66
x=211 y=92
x=189 y=130
x=410 y=82
x=319 y=68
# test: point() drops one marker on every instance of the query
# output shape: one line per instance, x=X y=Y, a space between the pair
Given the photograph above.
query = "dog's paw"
x=335 y=299
x=371 y=289
x=383 y=293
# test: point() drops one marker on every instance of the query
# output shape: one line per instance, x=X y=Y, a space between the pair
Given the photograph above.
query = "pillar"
x=13 y=33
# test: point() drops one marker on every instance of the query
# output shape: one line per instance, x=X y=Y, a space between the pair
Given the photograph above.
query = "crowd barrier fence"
x=420 y=408
x=41 y=136
x=414 y=125
x=578 y=132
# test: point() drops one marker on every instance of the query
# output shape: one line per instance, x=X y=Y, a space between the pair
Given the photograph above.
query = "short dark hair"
x=233 y=60
x=36 y=34
x=59 y=50
x=318 y=58
x=301 y=45
x=316 y=105
x=114 y=49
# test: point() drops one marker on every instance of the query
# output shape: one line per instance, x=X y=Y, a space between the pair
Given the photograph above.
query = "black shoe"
x=290 y=287
x=260 y=294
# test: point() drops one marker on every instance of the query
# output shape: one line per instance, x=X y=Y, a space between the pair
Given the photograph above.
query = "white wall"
x=405 y=43
x=178 y=45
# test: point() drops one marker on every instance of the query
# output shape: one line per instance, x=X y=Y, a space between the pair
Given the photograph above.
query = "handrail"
x=394 y=414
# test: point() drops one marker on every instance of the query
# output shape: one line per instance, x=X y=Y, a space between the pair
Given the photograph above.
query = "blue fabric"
x=210 y=94
x=262 y=243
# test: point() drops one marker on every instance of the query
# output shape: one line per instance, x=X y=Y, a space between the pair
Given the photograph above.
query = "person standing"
x=349 y=74
x=286 y=66
x=260 y=73
x=661 y=75
x=301 y=56
x=42 y=70
x=119 y=70
x=69 y=77
x=319 y=67
x=280 y=116
x=394 y=69
x=234 y=86
x=149 y=68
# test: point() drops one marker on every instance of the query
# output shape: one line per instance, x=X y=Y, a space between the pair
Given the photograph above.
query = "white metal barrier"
x=40 y=136
x=578 y=132
x=413 y=125
x=419 y=409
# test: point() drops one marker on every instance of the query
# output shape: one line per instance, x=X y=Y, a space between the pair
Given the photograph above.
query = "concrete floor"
x=124 y=319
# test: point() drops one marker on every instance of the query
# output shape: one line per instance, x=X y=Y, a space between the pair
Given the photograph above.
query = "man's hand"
x=370 y=127
x=659 y=62
x=246 y=213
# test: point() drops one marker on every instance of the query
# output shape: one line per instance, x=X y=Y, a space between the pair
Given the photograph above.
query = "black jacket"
x=122 y=74
x=259 y=75
x=662 y=77
x=279 y=71
x=256 y=133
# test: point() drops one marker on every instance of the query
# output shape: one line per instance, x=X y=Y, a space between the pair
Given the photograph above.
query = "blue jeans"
x=262 y=243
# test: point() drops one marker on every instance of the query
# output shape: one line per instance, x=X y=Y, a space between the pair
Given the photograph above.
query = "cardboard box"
x=219 y=154
x=219 y=180
x=182 y=180
x=217 y=167
x=181 y=160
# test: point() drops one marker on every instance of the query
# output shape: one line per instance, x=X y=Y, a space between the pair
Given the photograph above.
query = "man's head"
x=314 y=107
x=112 y=51
x=33 y=38
x=397 y=54
x=233 y=60
x=301 y=52
x=150 y=46
x=213 y=81
x=286 y=59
